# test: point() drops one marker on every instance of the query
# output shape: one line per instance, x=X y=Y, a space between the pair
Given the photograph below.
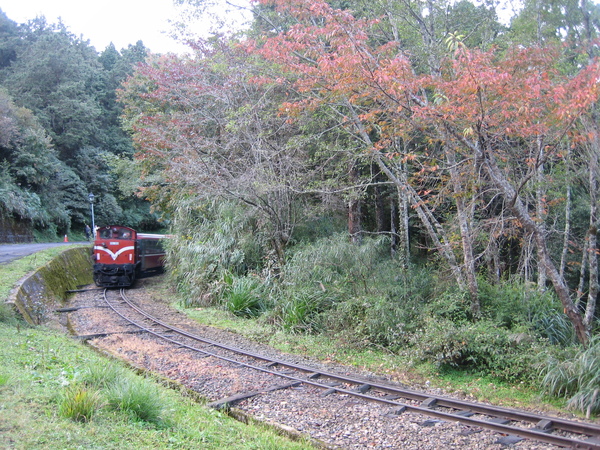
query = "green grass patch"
x=79 y=403
x=48 y=402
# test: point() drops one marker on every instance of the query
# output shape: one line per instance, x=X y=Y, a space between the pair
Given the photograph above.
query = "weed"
x=79 y=403
x=7 y=314
x=137 y=398
x=102 y=375
x=298 y=312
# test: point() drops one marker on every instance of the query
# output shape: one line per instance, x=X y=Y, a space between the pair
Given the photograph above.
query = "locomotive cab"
x=115 y=257
x=121 y=254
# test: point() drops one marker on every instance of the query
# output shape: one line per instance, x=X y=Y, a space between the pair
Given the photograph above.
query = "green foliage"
x=336 y=265
x=242 y=296
x=54 y=145
x=137 y=398
x=79 y=403
x=515 y=304
x=7 y=314
x=482 y=347
x=298 y=310
x=390 y=318
x=211 y=240
x=102 y=376
x=576 y=375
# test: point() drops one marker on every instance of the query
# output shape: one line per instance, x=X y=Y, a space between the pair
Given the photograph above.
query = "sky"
x=123 y=22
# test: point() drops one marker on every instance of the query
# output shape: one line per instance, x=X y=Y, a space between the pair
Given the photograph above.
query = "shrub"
x=453 y=305
x=380 y=321
x=336 y=265
x=211 y=239
x=242 y=296
x=554 y=326
x=298 y=311
x=481 y=347
x=576 y=376
x=7 y=314
x=79 y=403
x=514 y=303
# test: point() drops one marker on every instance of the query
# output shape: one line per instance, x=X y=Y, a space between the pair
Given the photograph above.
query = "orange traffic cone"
x=66 y=239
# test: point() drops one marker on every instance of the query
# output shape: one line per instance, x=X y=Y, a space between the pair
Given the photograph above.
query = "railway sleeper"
x=509 y=440
x=429 y=402
x=226 y=403
x=396 y=411
x=87 y=337
x=363 y=388
x=544 y=426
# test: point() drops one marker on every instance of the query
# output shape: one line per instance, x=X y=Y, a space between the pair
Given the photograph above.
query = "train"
x=121 y=255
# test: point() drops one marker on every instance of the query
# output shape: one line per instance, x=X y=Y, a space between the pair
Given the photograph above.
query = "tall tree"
x=476 y=105
x=200 y=124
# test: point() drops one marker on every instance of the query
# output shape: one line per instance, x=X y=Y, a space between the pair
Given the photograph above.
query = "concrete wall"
x=40 y=293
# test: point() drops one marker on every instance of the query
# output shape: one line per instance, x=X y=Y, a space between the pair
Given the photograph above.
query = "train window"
x=115 y=233
x=148 y=247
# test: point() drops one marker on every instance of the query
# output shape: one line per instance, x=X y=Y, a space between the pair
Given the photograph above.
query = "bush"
x=7 y=314
x=242 y=296
x=379 y=321
x=392 y=313
x=576 y=376
x=298 y=311
x=336 y=265
x=211 y=239
x=481 y=347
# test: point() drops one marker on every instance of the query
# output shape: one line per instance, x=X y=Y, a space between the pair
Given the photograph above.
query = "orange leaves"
x=518 y=94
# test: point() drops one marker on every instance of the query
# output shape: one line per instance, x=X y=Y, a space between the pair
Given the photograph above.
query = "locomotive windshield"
x=115 y=233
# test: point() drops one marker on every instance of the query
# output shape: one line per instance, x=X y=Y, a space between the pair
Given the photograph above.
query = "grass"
x=58 y=393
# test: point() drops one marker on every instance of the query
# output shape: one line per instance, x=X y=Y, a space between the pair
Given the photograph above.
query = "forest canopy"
x=61 y=131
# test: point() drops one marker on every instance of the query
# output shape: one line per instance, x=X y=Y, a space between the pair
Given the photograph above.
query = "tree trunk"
x=592 y=248
x=354 y=210
x=520 y=211
x=540 y=207
x=462 y=213
x=567 y=231
x=394 y=230
x=379 y=207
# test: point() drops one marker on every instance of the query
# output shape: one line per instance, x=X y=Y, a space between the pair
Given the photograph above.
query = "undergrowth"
x=358 y=294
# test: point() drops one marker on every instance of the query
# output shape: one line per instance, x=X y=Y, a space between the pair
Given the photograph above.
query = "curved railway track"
x=513 y=424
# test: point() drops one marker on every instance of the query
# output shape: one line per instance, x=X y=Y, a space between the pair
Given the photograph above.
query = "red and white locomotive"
x=121 y=254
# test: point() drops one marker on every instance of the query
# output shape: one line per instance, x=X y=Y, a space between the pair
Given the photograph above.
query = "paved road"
x=10 y=252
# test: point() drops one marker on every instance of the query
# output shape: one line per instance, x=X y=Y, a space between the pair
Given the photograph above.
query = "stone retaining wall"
x=39 y=294
x=12 y=231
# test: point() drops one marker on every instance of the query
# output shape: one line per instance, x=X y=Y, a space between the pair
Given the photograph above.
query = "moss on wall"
x=39 y=294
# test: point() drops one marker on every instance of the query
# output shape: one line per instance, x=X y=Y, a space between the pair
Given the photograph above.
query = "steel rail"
x=496 y=412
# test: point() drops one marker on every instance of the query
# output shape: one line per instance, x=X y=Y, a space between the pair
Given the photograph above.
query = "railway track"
x=512 y=425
